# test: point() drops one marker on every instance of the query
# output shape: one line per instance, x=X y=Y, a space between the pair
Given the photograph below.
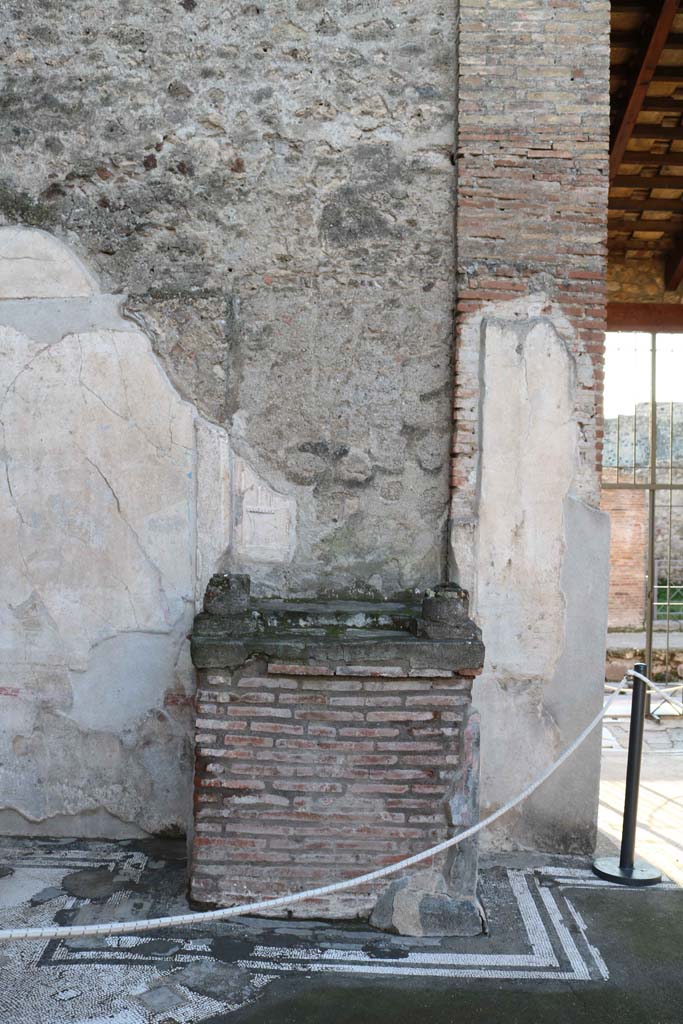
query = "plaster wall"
x=115 y=506
x=537 y=564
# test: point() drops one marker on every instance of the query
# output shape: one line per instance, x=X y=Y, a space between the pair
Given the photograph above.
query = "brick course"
x=302 y=779
x=533 y=131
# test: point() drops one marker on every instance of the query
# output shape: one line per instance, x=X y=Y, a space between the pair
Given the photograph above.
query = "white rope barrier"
x=208 y=916
x=661 y=691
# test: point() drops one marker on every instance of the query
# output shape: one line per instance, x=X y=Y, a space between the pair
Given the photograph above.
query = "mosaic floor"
x=197 y=975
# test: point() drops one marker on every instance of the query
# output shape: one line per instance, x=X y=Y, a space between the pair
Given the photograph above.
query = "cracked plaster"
x=104 y=555
x=535 y=557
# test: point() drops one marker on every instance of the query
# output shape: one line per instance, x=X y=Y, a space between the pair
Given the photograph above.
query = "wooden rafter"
x=633 y=40
x=672 y=73
x=629 y=6
x=644 y=316
x=662 y=205
x=640 y=181
x=667 y=227
x=634 y=156
x=662 y=105
x=660 y=247
x=660 y=31
x=656 y=131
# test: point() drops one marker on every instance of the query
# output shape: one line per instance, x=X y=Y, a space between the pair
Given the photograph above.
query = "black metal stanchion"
x=623 y=869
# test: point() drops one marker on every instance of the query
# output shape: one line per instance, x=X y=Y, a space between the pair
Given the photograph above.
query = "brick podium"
x=332 y=739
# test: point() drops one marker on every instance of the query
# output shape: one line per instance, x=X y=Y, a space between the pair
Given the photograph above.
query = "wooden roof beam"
x=663 y=104
x=667 y=73
x=634 y=40
x=658 y=181
x=634 y=156
x=629 y=6
x=674 y=206
x=645 y=316
x=661 y=29
x=656 y=131
x=661 y=246
x=667 y=227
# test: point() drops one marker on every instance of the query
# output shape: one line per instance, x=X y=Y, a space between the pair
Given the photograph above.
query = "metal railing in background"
x=644 y=452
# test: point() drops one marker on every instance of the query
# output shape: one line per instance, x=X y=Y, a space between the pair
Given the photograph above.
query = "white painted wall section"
x=116 y=505
x=535 y=557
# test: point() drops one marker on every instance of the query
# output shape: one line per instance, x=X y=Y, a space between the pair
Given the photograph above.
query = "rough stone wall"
x=628 y=555
x=630 y=280
x=527 y=539
x=272 y=185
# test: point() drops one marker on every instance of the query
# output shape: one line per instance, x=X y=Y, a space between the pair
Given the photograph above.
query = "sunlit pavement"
x=659 y=839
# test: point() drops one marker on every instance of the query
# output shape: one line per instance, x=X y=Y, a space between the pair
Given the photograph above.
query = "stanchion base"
x=641 y=874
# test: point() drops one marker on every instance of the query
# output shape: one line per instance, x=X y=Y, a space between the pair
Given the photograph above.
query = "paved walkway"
x=659 y=839
x=636 y=641
x=658 y=736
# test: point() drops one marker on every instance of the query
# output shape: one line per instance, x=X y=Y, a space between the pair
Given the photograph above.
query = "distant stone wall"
x=629 y=511
x=639 y=280
x=628 y=557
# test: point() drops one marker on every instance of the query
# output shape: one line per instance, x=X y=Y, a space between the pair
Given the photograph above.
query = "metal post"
x=651 y=594
x=635 y=753
x=652 y=513
x=625 y=870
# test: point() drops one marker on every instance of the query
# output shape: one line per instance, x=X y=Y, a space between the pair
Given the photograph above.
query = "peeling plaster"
x=105 y=554
x=534 y=553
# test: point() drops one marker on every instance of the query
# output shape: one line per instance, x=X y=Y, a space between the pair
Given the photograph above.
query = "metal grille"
x=644 y=453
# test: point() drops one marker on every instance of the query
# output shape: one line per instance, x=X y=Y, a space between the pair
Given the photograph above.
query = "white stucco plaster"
x=115 y=508
x=34 y=264
x=534 y=556
x=264 y=519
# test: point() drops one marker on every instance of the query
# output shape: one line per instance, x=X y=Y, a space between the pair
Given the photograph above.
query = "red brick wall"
x=533 y=133
x=628 y=552
x=305 y=776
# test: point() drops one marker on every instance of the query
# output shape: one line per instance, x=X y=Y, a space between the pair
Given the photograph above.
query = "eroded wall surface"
x=272 y=185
